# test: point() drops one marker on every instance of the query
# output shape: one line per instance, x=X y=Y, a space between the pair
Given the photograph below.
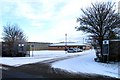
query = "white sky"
x=45 y=20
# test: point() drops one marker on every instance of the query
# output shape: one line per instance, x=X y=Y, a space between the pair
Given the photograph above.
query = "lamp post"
x=21 y=48
x=66 y=43
x=32 y=49
x=23 y=53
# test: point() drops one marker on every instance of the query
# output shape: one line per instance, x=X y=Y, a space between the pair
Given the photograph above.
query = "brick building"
x=63 y=46
x=36 y=46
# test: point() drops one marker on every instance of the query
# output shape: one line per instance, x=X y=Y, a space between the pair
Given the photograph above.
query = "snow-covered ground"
x=86 y=64
x=83 y=63
x=35 y=56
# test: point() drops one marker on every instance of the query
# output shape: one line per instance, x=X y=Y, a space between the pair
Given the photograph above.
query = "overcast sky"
x=45 y=20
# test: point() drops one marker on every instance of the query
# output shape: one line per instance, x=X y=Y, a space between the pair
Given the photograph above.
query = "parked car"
x=73 y=50
x=78 y=50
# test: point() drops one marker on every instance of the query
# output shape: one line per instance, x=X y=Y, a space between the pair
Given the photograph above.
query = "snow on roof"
x=68 y=44
x=115 y=40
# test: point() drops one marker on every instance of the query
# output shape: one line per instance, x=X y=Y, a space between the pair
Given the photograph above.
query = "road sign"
x=105 y=48
x=106 y=42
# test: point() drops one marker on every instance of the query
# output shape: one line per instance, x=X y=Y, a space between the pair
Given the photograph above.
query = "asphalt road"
x=17 y=74
x=13 y=72
x=43 y=70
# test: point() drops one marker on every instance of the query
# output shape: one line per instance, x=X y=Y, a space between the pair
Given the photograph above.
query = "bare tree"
x=12 y=36
x=100 y=19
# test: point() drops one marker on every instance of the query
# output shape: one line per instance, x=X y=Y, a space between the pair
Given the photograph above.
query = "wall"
x=37 y=46
x=0 y=48
x=114 y=50
x=63 y=47
x=56 y=48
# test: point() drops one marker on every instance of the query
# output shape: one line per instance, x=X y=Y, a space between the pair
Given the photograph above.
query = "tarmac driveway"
x=44 y=70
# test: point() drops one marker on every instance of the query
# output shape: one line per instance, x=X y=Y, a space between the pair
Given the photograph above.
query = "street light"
x=32 y=49
x=20 y=49
x=21 y=46
x=66 y=43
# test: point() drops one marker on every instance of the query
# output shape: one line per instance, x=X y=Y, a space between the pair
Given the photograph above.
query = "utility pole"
x=32 y=49
x=83 y=40
x=66 y=43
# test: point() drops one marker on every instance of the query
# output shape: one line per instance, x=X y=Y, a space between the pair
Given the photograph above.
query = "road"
x=13 y=72
x=43 y=70
x=16 y=74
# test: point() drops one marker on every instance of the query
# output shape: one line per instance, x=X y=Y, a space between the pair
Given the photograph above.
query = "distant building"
x=36 y=46
x=63 y=46
x=23 y=47
x=16 y=49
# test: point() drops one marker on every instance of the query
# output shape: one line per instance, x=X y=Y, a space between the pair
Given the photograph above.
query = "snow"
x=20 y=61
x=86 y=64
x=38 y=56
x=68 y=44
x=83 y=63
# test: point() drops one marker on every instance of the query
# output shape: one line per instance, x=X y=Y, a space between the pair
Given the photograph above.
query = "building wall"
x=114 y=50
x=37 y=46
x=56 y=48
x=63 y=47
x=13 y=49
x=114 y=47
x=28 y=46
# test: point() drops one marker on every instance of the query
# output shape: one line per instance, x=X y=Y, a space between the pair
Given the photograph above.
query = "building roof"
x=115 y=40
x=68 y=44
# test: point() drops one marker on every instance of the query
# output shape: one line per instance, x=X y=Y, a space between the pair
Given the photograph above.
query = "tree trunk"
x=101 y=47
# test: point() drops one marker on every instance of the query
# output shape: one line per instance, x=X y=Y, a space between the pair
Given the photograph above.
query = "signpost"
x=32 y=49
x=105 y=49
x=66 y=43
x=21 y=47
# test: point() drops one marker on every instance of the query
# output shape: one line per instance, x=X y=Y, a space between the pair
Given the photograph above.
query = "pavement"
x=16 y=72
x=43 y=70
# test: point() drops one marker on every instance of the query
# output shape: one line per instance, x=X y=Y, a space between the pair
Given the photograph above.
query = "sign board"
x=105 y=48
x=106 y=42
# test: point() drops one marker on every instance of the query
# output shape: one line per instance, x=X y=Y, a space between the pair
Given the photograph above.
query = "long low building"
x=13 y=49
x=28 y=46
x=37 y=46
x=63 y=46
